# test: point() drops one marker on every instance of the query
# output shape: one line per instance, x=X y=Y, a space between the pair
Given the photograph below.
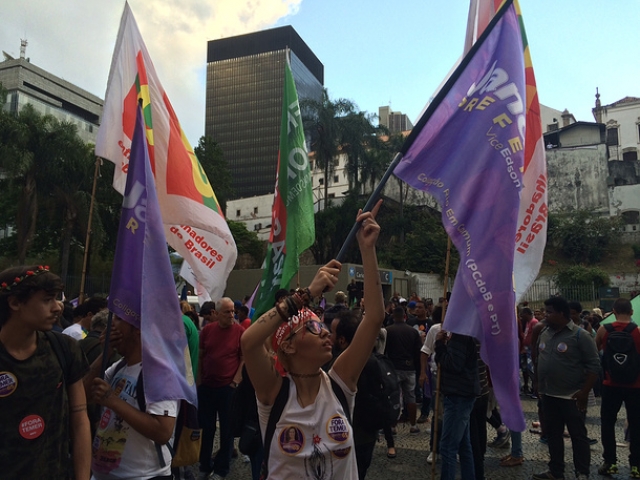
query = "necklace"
x=305 y=375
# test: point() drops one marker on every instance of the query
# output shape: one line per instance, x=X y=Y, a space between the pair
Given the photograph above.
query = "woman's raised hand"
x=326 y=278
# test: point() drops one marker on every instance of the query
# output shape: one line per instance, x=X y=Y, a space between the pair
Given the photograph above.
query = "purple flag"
x=143 y=291
x=468 y=152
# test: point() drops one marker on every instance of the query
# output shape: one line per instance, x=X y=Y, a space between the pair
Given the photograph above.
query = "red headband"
x=284 y=330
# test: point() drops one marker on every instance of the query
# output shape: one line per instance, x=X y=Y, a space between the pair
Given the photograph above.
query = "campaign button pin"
x=31 y=427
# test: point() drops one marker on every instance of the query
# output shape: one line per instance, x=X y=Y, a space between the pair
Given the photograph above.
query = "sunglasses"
x=313 y=326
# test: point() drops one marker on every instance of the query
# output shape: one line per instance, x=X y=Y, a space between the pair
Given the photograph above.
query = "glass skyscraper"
x=245 y=82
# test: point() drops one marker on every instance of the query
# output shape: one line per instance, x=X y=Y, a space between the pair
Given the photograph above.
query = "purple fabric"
x=469 y=156
x=143 y=291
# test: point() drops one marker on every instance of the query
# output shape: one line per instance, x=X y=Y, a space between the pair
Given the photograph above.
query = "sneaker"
x=501 y=440
x=246 y=459
x=510 y=461
x=545 y=476
x=423 y=419
x=592 y=441
x=608 y=469
x=430 y=458
x=634 y=473
x=414 y=430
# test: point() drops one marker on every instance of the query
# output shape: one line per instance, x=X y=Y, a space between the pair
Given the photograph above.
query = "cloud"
x=74 y=39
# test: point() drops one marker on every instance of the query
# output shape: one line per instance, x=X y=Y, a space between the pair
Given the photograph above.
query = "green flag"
x=292 y=222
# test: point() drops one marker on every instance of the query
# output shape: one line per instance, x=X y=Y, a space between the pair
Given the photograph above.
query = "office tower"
x=245 y=81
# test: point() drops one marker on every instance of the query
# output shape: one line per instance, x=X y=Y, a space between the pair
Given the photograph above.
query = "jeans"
x=215 y=402
x=559 y=412
x=455 y=437
x=612 y=398
x=516 y=444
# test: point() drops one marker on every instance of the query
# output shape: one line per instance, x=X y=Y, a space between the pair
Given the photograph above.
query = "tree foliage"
x=46 y=182
x=583 y=237
x=211 y=158
x=247 y=242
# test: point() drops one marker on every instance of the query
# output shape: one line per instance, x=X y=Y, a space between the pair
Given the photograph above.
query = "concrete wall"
x=577 y=179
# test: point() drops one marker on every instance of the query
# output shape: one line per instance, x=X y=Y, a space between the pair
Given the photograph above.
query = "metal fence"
x=94 y=285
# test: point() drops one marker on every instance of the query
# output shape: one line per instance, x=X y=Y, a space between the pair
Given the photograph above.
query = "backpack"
x=188 y=434
x=62 y=352
x=385 y=405
x=621 y=359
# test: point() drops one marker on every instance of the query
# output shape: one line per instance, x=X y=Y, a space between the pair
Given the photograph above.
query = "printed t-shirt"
x=119 y=451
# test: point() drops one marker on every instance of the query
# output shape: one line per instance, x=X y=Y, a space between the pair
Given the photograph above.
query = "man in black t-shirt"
x=43 y=410
x=403 y=349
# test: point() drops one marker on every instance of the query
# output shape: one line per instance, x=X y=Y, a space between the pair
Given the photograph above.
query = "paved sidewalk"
x=413 y=450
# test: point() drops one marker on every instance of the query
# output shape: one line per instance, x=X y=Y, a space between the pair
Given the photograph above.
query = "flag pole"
x=88 y=237
x=369 y=205
x=436 y=410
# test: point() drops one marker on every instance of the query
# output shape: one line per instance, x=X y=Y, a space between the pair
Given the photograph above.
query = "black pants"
x=612 y=399
x=559 y=412
x=364 y=454
x=478 y=434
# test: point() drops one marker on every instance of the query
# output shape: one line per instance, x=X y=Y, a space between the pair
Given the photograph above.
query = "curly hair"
x=24 y=290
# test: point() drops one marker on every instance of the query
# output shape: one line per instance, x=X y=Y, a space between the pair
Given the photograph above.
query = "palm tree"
x=323 y=121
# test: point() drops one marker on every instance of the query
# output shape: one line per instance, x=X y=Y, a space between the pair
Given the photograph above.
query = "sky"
x=374 y=52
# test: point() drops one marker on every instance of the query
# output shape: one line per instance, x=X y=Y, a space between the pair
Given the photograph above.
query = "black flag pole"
x=369 y=205
x=106 y=347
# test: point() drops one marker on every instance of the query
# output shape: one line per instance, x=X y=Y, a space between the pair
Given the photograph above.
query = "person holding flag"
x=140 y=393
x=317 y=405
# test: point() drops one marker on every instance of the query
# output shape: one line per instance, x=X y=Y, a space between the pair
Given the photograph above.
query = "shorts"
x=407 y=380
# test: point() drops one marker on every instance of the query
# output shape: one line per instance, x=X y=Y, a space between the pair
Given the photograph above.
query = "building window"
x=632 y=217
x=332 y=195
x=630 y=156
x=237 y=213
x=255 y=210
x=638 y=127
x=321 y=181
x=336 y=178
x=336 y=162
x=612 y=136
x=257 y=226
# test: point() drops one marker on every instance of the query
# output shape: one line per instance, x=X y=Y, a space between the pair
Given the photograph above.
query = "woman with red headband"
x=313 y=418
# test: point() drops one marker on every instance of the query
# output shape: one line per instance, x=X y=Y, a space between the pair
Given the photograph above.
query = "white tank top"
x=314 y=442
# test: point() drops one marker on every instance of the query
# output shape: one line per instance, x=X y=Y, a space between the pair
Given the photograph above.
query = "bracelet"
x=305 y=297
x=291 y=306
x=283 y=315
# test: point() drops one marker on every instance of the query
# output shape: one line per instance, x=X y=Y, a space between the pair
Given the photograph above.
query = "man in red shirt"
x=613 y=394
x=219 y=373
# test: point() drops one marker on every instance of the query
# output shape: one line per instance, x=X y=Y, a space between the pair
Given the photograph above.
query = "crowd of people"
x=308 y=390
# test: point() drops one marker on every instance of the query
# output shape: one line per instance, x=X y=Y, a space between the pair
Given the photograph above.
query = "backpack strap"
x=337 y=390
x=630 y=327
x=274 y=416
x=61 y=350
x=142 y=406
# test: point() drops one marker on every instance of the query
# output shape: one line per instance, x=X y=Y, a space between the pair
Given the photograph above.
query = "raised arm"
x=350 y=363
x=259 y=362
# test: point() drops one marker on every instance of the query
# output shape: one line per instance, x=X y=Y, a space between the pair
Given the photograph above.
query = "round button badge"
x=31 y=427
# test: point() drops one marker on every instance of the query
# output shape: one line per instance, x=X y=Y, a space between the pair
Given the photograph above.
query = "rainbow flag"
x=193 y=221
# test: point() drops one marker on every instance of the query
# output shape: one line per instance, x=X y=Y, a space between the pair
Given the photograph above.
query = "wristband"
x=292 y=308
x=283 y=315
